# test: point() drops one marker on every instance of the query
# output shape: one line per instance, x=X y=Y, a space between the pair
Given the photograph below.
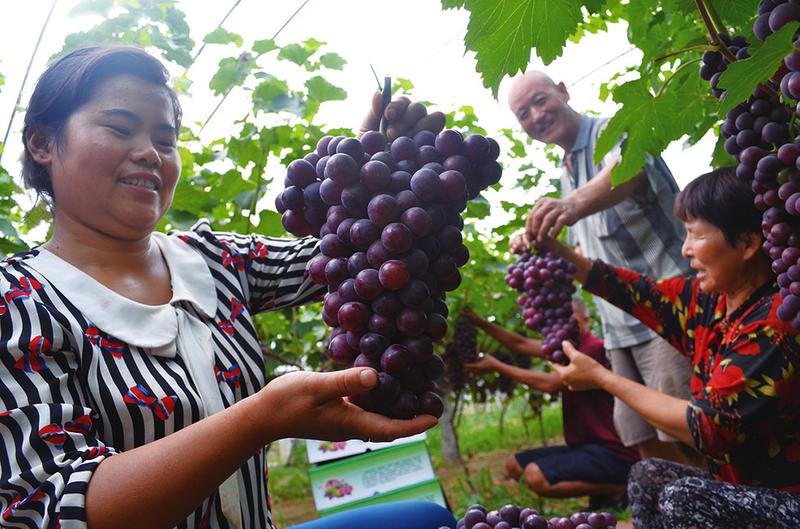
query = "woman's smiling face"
x=117 y=165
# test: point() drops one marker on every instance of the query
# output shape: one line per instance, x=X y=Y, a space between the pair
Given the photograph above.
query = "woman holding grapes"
x=743 y=415
x=132 y=383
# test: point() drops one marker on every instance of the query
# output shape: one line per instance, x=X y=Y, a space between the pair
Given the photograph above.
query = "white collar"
x=147 y=326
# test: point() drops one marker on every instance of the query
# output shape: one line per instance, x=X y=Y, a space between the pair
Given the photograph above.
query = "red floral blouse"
x=744 y=413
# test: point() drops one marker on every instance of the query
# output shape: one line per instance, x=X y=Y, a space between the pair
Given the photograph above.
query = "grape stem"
x=699 y=47
x=713 y=30
x=675 y=74
x=709 y=17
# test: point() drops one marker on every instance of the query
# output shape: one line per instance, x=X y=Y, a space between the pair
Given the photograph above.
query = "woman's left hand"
x=582 y=372
x=310 y=405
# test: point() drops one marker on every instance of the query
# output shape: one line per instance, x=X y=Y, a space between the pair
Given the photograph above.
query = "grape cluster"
x=462 y=349
x=760 y=133
x=465 y=340
x=502 y=383
x=457 y=377
x=389 y=223
x=773 y=15
x=513 y=516
x=714 y=62
x=546 y=284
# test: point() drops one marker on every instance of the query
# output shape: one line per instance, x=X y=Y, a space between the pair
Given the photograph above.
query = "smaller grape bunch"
x=546 y=285
x=514 y=516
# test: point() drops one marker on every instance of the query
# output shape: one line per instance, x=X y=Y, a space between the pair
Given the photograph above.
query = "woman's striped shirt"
x=87 y=373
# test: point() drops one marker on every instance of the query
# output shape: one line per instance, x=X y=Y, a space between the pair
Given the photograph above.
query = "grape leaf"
x=223 y=36
x=502 y=34
x=649 y=123
x=92 y=7
x=232 y=72
x=742 y=77
x=736 y=13
x=266 y=92
x=452 y=4
x=269 y=223
x=333 y=61
x=321 y=90
x=295 y=53
x=264 y=46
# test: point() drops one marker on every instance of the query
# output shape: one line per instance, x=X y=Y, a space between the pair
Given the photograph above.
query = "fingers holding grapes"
x=548 y=217
x=518 y=243
x=403 y=118
x=485 y=364
x=325 y=397
x=582 y=372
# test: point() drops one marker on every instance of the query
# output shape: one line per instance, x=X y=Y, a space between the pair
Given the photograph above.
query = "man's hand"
x=583 y=372
x=403 y=117
x=487 y=364
x=549 y=216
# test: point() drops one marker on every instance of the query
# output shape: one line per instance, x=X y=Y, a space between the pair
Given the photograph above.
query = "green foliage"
x=742 y=77
x=665 y=101
x=503 y=32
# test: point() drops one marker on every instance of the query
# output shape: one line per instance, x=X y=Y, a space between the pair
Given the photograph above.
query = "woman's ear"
x=751 y=244
x=41 y=146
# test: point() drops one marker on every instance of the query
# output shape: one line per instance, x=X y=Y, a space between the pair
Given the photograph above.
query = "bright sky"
x=413 y=39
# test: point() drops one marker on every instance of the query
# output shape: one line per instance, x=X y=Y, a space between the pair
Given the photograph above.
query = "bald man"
x=631 y=225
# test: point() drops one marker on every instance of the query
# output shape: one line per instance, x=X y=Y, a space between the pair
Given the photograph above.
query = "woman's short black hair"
x=70 y=82
x=722 y=199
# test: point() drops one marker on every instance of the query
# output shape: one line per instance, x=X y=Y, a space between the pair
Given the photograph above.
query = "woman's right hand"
x=403 y=117
x=518 y=244
x=309 y=405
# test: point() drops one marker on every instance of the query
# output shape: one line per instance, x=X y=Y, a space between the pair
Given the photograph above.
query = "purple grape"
x=336 y=272
x=355 y=199
x=417 y=221
x=400 y=181
x=426 y=185
x=431 y=404
x=367 y=285
x=449 y=142
x=376 y=176
x=411 y=322
x=342 y=168
x=356 y=263
x=393 y=274
x=351 y=147
x=387 y=304
x=353 y=316
x=363 y=233
x=301 y=173
x=397 y=238
x=383 y=209
x=396 y=360
x=404 y=148
x=373 y=345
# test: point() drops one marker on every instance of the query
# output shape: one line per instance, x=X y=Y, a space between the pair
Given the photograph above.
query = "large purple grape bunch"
x=546 y=285
x=761 y=134
x=389 y=223
x=514 y=516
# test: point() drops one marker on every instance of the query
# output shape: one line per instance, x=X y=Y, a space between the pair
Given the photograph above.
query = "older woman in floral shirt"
x=744 y=413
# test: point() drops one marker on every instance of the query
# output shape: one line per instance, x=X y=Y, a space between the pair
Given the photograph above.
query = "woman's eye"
x=120 y=130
